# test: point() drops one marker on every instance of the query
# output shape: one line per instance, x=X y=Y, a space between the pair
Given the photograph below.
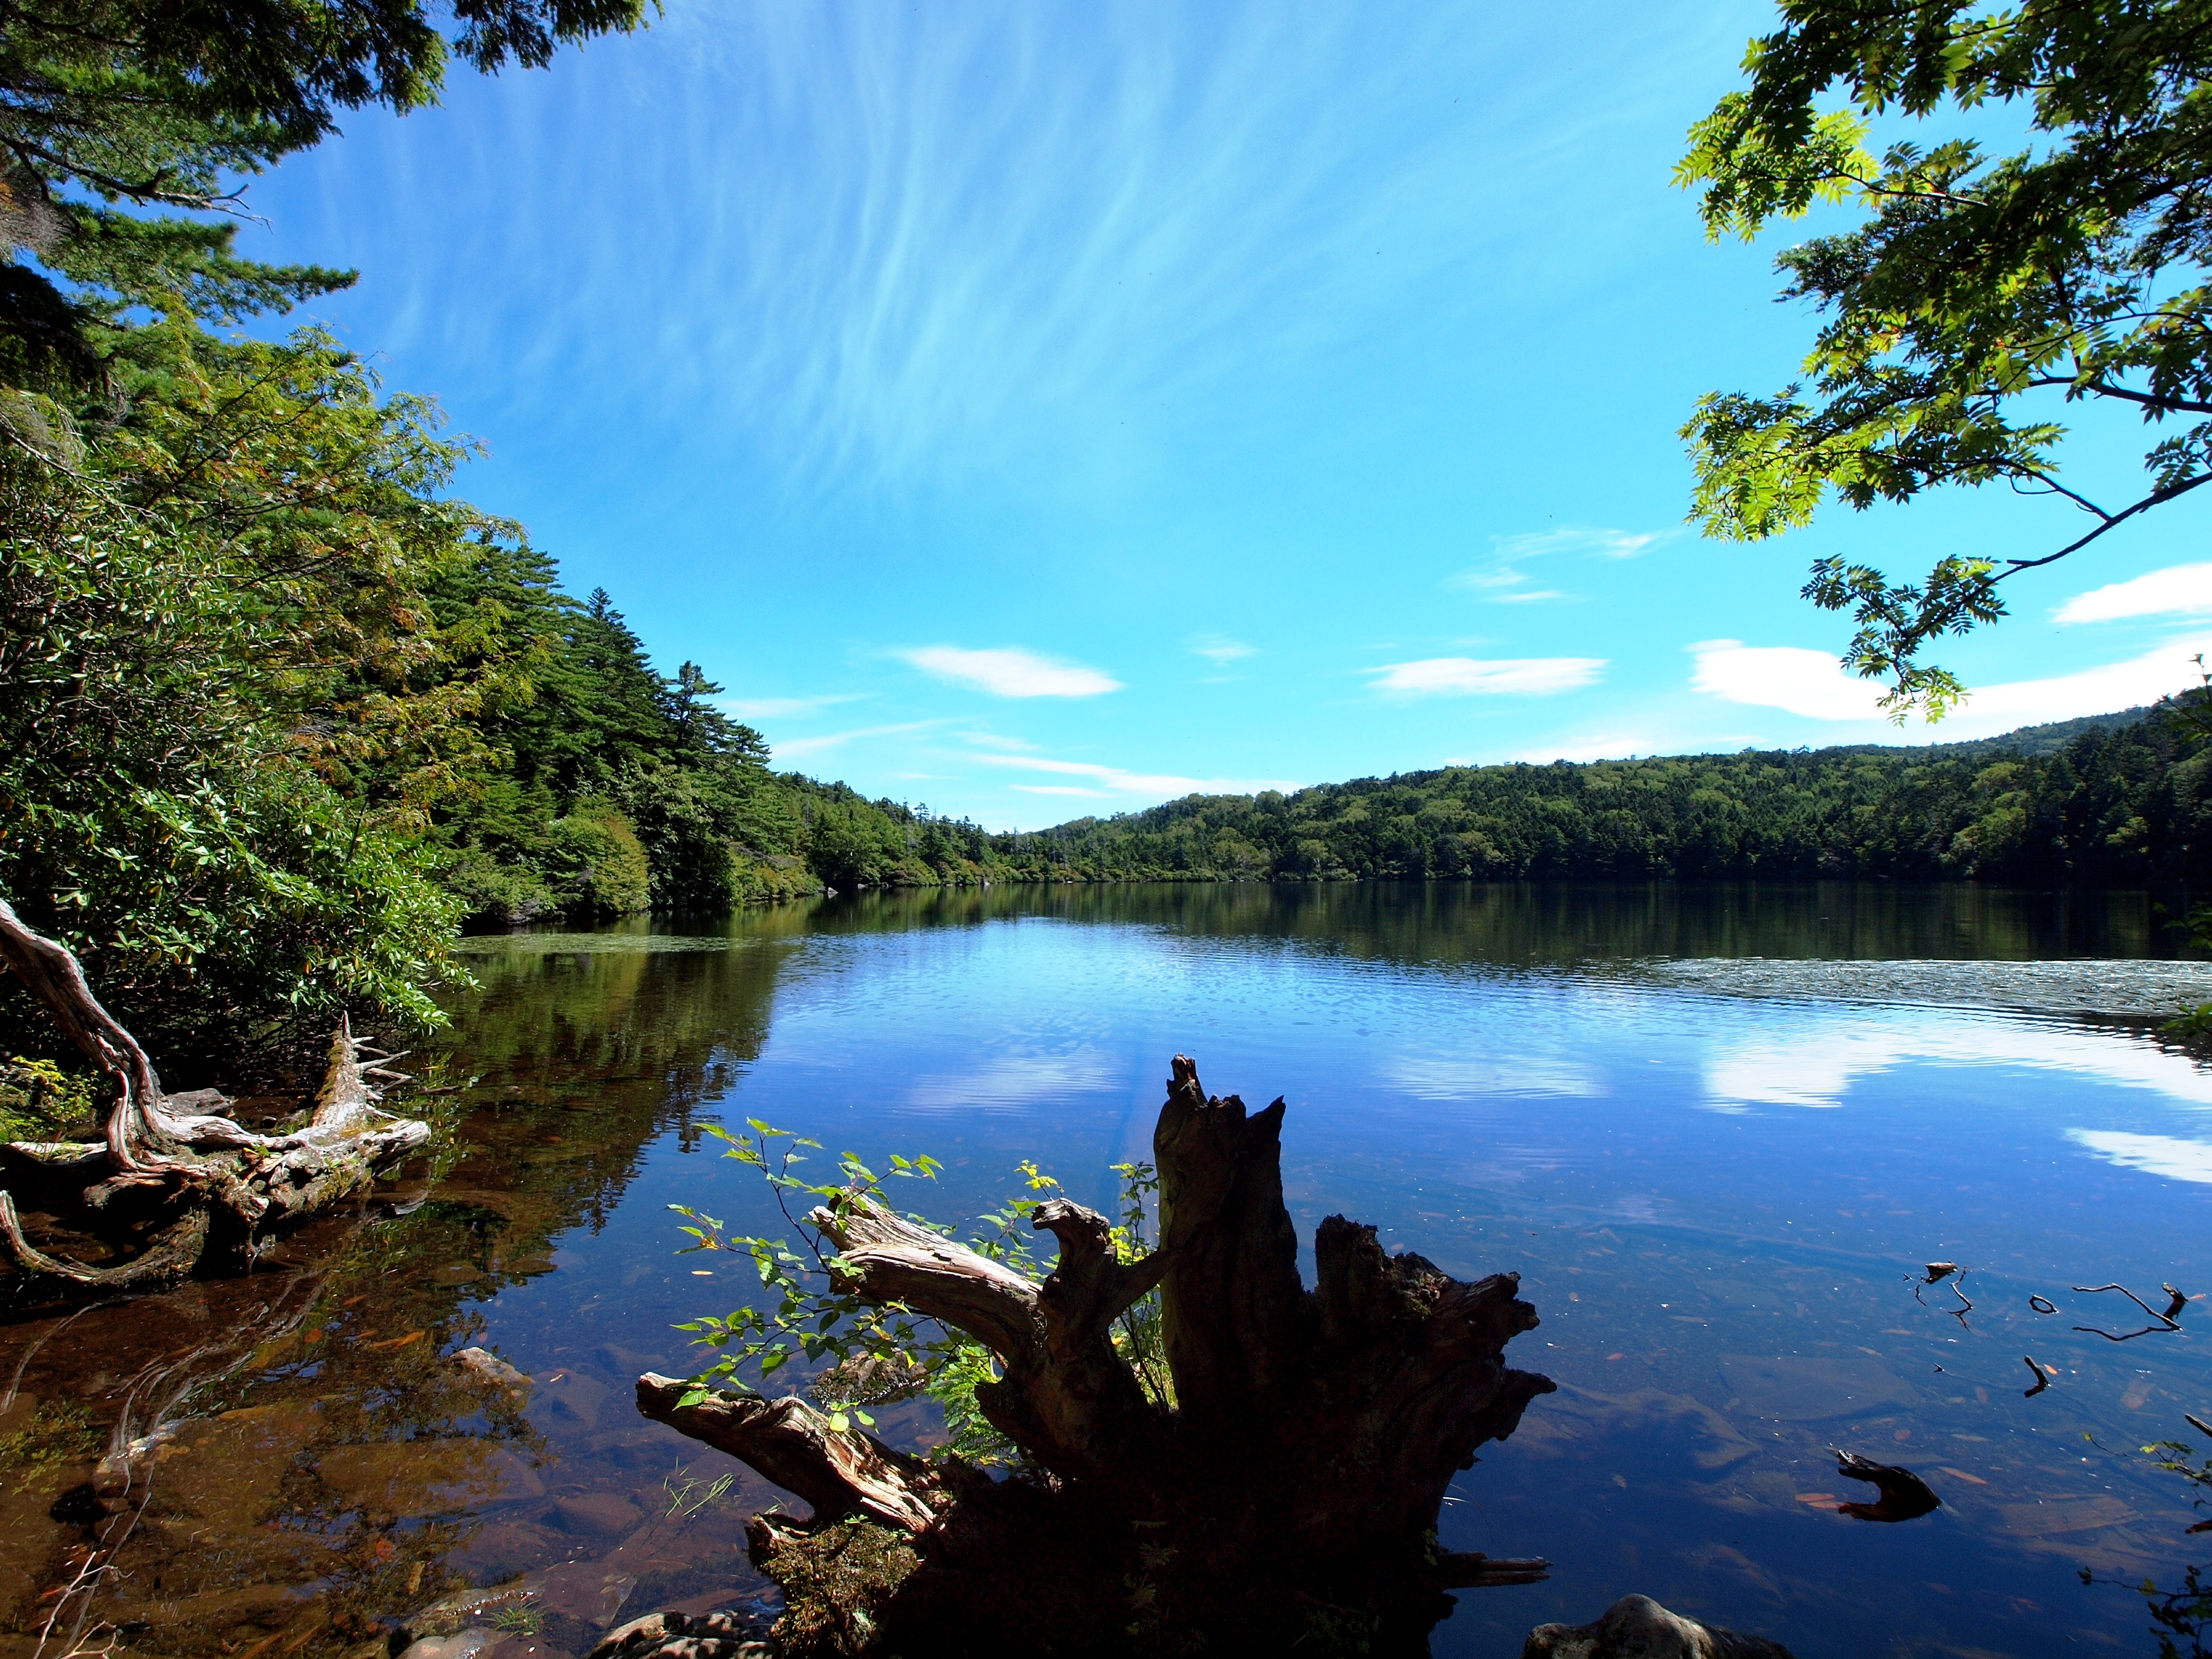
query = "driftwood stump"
x=173 y=1184
x=1286 y=1501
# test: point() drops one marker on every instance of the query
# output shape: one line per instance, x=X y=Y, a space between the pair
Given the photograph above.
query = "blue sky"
x=1035 y=410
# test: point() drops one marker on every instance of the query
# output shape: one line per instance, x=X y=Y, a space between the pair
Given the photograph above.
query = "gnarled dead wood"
x=839 y=1472
x=1065 y=1397
x=1299 y=1476
x=1234 y=1315
x=173 y=1255
x=179 y=1153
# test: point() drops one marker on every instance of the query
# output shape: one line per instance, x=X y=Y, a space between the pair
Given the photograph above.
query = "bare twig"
x=2165 y=1321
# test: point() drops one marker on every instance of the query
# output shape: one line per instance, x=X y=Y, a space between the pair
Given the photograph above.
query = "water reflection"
x=1487 y=1074
x=303 y=1453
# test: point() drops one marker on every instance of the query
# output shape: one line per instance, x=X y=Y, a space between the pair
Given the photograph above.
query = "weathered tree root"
x=793 y=1445
x=1293 y=1489
x=204 y=1182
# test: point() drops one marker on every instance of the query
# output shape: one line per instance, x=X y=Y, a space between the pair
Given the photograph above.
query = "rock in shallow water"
x=735 y=1634
x=461 y=1644
x=1638 y=1627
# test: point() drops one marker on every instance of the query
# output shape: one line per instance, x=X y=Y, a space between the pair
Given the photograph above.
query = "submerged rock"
x=487 y=1368
x=735 y=1633
x=461 y=1644
x=1638 y=1627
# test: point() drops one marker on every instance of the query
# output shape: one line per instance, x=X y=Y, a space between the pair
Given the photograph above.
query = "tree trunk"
x=173 y=1184
x=1288 y=1497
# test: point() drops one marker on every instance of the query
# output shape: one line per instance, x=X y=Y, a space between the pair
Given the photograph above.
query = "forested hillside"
x=2124 y=804
x=622 y=789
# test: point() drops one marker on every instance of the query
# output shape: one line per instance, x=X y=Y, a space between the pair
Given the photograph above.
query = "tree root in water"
x=172 y=1176
x=1291 y=1492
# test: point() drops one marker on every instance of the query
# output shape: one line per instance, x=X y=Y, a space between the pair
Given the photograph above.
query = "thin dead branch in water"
x=2166 y=1320
x=1938 y=1273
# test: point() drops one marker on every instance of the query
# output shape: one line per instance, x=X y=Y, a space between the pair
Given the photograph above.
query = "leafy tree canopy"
x=115 y=115
x=2072 y=267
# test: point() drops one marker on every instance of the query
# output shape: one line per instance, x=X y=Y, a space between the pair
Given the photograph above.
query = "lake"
x=1718 y=1131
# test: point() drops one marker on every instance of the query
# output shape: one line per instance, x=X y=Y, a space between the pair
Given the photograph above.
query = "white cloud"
x=1816 y=686
x=1219 y=647
x=1009 y=672
x=1599 y=745
x=1580 y=538
x=1130 y=783
x=993 y=740
x=1808 y=683
x=1501 y=579
x=2181 y=590
x=797 y=746
x=2161 y=1155
x=1062 y=789
x=769 y=709
x=1532 y=677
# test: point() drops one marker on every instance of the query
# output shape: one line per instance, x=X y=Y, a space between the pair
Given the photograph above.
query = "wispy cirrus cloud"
x=1501 y=579
x=2180 y=590
x=1010 y=671
x=770 y=708
x=1115 y=778
x=797 y=748
x=1580 y=538
x=995 y=740
x=1460 y=677
x=1062 y=789
x=1220 y=648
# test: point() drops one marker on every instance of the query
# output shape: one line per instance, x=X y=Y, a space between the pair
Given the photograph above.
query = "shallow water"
x=1718 y=1131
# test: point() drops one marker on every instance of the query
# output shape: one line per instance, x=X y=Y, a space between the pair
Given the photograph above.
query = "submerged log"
x=174 y=1183
x=1290 y=1493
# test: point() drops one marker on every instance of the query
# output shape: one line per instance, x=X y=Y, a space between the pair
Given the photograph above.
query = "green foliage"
x=2126 y=802
x=121 y=113
x=221 y=712
x=39 y=1100
x=596 y=862
x=1138 y=1337
x=809 y=1319
x=2069 y=268
x=2183 y=1612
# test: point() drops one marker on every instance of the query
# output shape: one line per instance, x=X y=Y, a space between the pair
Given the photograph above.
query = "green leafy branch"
x=809 y=1316
x=2183 y=1613
x=804 y=1317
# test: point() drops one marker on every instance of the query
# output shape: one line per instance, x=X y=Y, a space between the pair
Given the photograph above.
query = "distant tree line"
x=2127 y=803
x=626 y=790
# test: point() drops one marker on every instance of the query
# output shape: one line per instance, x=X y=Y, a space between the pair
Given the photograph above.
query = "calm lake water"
x=1718 y=1131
